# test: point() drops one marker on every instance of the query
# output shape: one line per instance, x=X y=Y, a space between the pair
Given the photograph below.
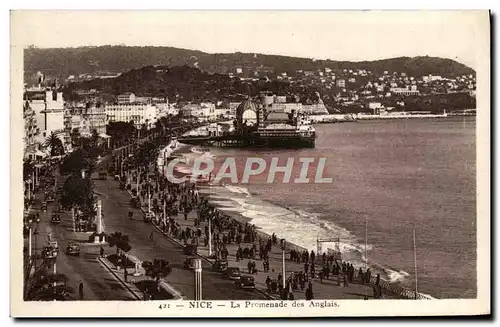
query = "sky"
x=336 y=35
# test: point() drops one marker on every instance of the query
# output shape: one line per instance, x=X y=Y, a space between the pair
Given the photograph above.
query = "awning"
x=104 y=136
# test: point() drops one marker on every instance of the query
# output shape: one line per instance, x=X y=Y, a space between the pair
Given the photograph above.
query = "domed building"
x=247 y=112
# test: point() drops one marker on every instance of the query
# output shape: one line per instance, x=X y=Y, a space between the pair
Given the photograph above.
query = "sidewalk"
x=327 y=289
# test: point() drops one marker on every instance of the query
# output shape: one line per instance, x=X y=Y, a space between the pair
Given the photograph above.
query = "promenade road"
x=116 y=204
x=98 y=283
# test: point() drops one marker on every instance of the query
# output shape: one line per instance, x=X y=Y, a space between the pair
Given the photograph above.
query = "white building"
x=374 y=105
x=412 y=90
x=48 y=107
x=139 y=113
x=126 y=98
x=203 y=111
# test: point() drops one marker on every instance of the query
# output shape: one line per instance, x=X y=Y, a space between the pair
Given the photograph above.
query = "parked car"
x=56 y=219
x=246 y=283
x=189 y=263
x=135 y=202
x=148 y=216
x=219 y=265
x=233 y=273
x=73 y=249
x=190 y=249
x=103 y=175
x=48 y=252
x=54 y=245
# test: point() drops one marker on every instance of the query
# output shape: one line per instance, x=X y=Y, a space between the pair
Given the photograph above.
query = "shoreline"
x=204 y=189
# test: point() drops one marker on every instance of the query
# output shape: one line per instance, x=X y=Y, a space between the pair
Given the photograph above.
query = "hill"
x=63 y=62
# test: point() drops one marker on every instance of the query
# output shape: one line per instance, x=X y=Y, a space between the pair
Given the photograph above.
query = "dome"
x=246 y=111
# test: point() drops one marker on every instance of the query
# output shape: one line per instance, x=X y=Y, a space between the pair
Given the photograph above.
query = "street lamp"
x=36 y=233
x=30 y=221
x=283 y=245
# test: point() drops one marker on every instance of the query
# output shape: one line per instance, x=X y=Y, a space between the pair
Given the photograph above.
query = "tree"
x=94 y=138
x=76 y=137
x=77 y=192
x=157 y=269
x=120 y=241
x=55 y=144
x=81 y=159
x=120 y=132
x=44 y=286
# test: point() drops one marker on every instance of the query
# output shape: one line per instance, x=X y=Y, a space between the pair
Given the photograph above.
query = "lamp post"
x=149 y=196
x=36 y=233
x=283 y=245
x=210 y=235
x=30 y=221
x=197 y=280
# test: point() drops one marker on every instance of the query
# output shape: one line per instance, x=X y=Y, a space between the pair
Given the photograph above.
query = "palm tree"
x=55 y=144
x=157 y=269
x=120 y=241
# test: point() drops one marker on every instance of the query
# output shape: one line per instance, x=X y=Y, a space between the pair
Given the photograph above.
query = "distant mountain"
x=63 y=62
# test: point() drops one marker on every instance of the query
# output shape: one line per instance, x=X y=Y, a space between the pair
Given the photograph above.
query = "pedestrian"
x=151 y=236
x=101 y=251
x=309 y=293
x=125 y=274
x=80 y=290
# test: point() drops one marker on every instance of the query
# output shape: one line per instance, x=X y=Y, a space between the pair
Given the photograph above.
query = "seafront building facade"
x=86 y=118
x=48 y=112
x=204 y=111
x=140 y=113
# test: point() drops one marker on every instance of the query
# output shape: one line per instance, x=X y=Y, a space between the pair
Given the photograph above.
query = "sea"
x=402 y=194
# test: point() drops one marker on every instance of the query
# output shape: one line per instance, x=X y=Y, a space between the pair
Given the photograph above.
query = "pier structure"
x=257 y=126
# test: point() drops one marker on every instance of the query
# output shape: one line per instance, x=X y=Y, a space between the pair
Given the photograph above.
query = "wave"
x=237 y=189
x=299 y=227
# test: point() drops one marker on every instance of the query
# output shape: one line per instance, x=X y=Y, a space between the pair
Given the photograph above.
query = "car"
x=219 y=265
x=44 y=205
x=56 y=219
x=103 y=175
x=233 y=273
x=246 y=283
x=73 y=249
x=50 y=198
x=135 y=202
x=148 y=216
x=189 y=263
x=48 y=252
x=54 y=245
